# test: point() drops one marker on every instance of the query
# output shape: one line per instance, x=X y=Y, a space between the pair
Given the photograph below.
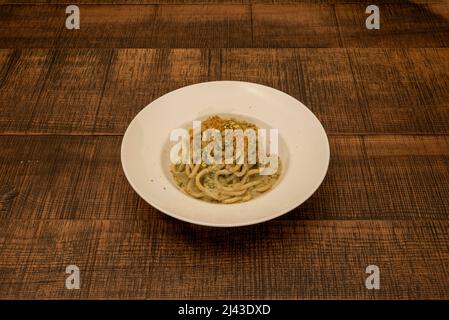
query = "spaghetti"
x=223 y=183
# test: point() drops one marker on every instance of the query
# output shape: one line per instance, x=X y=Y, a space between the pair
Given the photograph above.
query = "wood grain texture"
x=66 y=98
x=127 y=2
x=24 y=75
x=127 y=26
x=401 y=89
x=181 y=26
x=393 y=170
x=30 y=26
x=224 y=25
x=202 y=26
x=300 y=25
x=108 y=2
x=402 y=25
x=137 y=77
x=99 y=91
x=277 y=260
x=80 y=177
x=52 y=89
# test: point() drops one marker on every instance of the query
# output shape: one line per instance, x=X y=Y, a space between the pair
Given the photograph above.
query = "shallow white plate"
x=303 y=149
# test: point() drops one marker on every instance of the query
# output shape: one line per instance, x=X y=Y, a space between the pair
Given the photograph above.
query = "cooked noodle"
x=223 y=183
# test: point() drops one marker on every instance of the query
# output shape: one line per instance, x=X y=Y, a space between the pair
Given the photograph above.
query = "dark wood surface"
x=66 y=98
x=212 y=25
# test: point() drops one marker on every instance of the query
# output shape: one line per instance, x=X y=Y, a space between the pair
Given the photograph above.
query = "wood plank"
x=31 y=26
x=365 y=2
x=202 y=26
x=80 y=177
x=127 y=26
x=21 y=2
x=370 y=91
x=161 y=26
x=399 y=166
x=70 y=100
x=137 y=77
x=119 y=26
x=126 y=2
x=330 y=90
x=402 y=25
x=305 y=74
x=225 y=25
x=25 y=74
x=300 y=25
x=403 y=90
x=440 y=25
x=272 y=67
x=275 y=260
x=356 y=91
x=43 y=26
x=6 y=60
x=82 y=93
x=55 y=176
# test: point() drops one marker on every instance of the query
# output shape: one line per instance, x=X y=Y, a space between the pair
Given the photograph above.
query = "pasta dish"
x=226 y=183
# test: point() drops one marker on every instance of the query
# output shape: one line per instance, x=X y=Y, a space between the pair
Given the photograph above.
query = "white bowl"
x=303 y=149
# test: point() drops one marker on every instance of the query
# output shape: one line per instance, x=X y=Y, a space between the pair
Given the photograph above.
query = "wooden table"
x=67 y=96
